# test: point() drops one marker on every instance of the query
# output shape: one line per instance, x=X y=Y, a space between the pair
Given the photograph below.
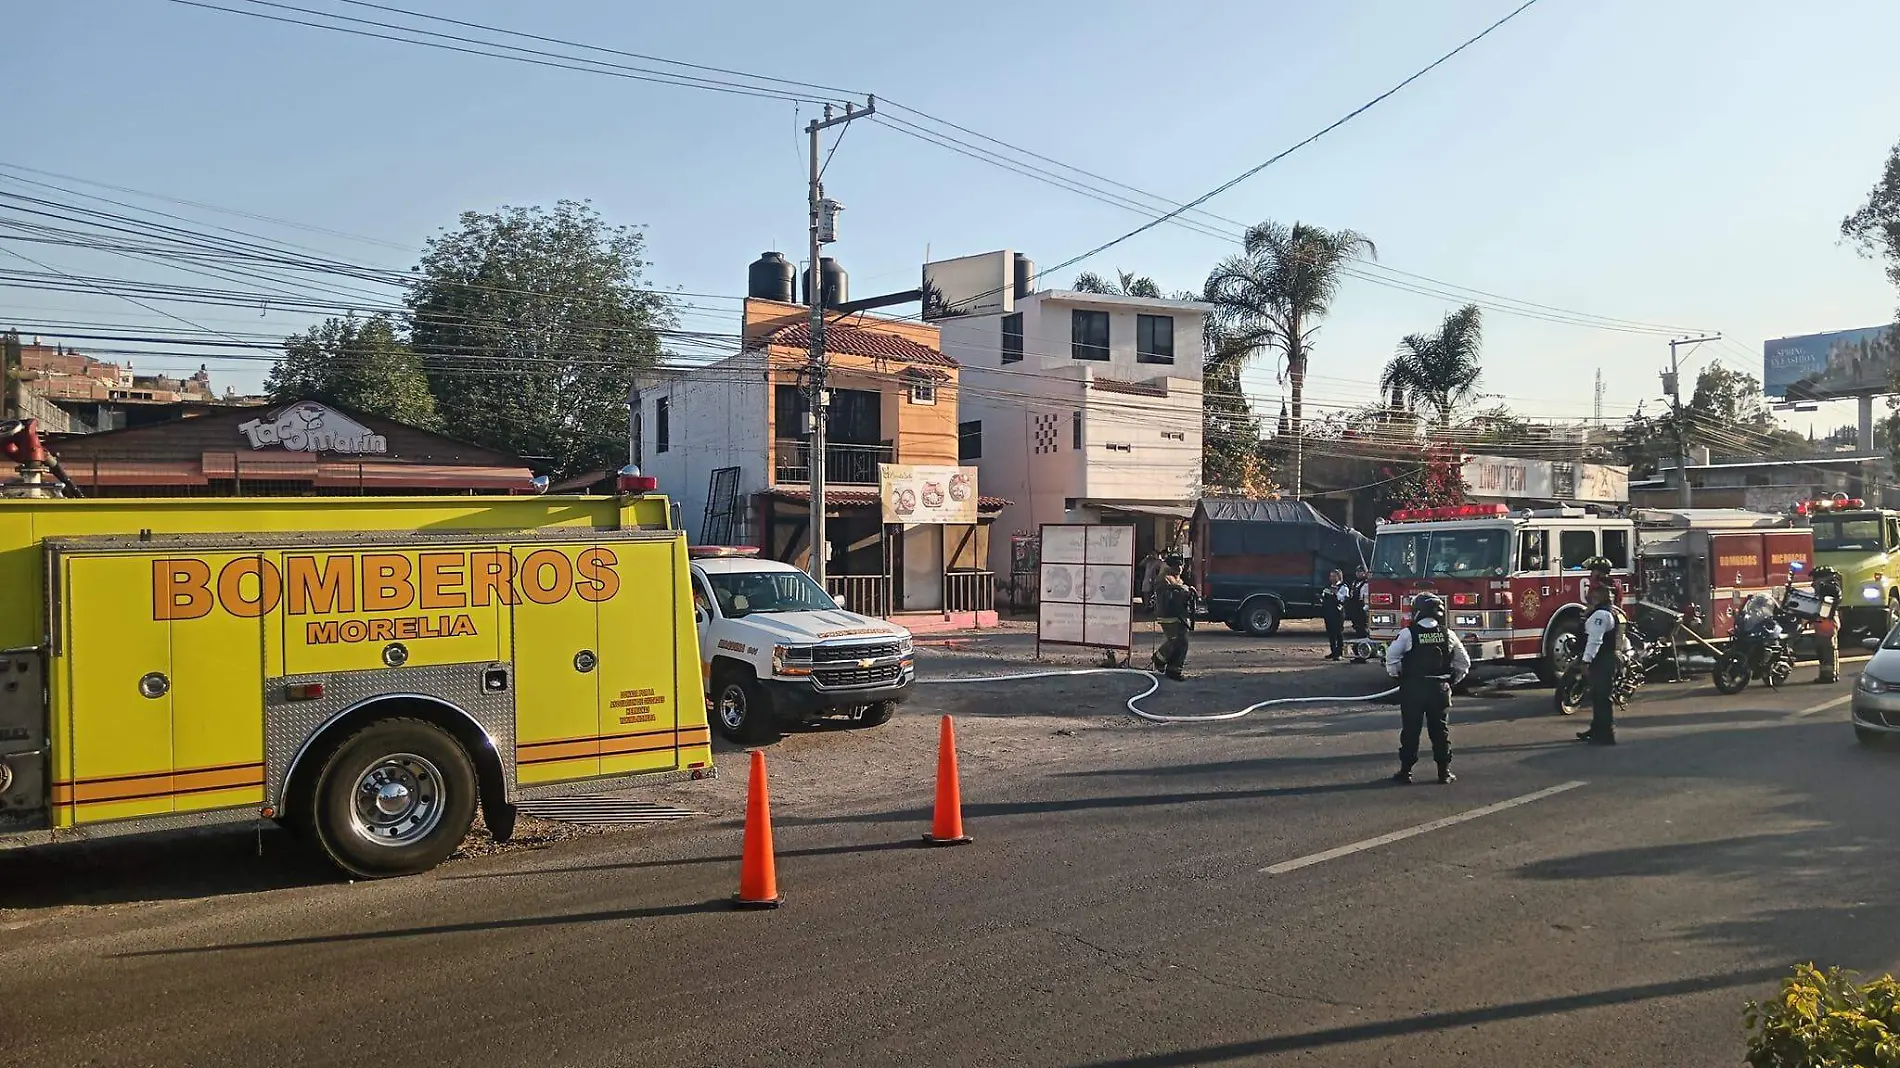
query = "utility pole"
x=11 y=346
x=817 y=397
x=1672 y=387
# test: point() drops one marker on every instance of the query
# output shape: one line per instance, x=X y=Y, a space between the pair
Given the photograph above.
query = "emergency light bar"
x=1450 y=511
x=709 y=551
x=630 y=480
x=1830 y=504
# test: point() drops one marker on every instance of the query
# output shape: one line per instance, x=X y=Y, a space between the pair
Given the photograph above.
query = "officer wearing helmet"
x=1427 y=659
x=1827 y=586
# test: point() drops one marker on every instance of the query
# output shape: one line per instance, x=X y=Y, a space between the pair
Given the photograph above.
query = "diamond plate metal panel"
x=289 y=725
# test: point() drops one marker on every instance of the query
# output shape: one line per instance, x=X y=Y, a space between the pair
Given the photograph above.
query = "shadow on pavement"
x=605 y=916
x=678 y=862
x=1442 y=1021
x=980 y=810
x=162 y=867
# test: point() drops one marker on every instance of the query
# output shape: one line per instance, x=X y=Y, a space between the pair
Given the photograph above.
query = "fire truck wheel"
x=1260 y=617
x=395 y=798
x=740 y=708
x=1559 y=654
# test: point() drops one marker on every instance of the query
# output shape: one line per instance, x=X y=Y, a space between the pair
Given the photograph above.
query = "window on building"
x=1075 y=429
x=1174 y=435
x=1119 y=446
x=1154 y=339
x=923 y=391
x=1013 y=337
x=1088 y=333
x=662 y=430
x=1577 y=546
x=969 y=441
x=1616 y=548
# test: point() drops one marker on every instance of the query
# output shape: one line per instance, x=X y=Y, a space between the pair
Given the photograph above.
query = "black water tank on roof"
x=771 y=277
x=837 y=283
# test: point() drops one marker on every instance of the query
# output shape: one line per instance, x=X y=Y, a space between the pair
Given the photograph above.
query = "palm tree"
x=1127 y=285
x=1437 y=373
x=1273 y=295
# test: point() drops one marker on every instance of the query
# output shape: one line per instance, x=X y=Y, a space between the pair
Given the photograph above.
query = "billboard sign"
x=970 y=285
x=914 y=493
x=1506 y=478
x=1845 y=363
x=1087 y=583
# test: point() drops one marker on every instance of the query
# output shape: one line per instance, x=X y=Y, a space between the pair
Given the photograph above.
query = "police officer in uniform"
x=1174 y=610
x=1356 y=612
x=1602 y=659
x=1427 y=659
x=1332 y=609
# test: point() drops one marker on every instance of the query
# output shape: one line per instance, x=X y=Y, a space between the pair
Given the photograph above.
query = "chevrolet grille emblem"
x=867 y=662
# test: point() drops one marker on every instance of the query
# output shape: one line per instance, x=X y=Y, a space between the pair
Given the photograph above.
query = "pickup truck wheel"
x=1260 y=618
x=1234 y=624
x=395 y=798
x=876 y=715
x=741 y=710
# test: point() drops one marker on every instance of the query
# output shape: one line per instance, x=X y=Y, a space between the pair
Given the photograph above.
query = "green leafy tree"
x=1437 y=373
x=532 y=324
x=1273 y=295
x=1874 y=227
x=355 y=363
x=1127 y=284
x=1825 y=1019
x=1726 y=413
x=1236 y=459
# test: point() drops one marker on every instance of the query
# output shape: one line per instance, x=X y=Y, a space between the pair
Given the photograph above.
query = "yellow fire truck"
x=364 y=670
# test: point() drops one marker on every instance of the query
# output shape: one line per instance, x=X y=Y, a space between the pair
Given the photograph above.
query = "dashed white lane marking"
x=1823 y=706
x=1412 y=832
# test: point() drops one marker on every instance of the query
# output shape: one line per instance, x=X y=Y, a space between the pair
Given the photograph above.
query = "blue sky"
x=1682 y=162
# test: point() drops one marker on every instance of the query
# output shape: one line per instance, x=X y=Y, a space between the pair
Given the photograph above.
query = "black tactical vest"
x=1430 y=654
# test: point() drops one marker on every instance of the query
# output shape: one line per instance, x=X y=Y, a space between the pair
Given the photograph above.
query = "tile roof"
x=856 y=341
x=869 y=498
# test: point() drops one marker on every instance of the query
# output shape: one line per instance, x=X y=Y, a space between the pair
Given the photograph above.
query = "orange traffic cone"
x=946 y=827
x=758 y=871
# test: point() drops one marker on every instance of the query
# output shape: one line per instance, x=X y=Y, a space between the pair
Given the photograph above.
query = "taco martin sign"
x=315 y=428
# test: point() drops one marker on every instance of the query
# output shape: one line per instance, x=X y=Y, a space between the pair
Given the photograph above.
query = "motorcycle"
x=1762 y=647
x=1644 y=656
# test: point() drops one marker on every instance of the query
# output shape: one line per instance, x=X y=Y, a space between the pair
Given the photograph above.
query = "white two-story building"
x=1082 y=408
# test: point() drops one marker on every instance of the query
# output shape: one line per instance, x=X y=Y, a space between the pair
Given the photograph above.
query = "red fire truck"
x=1514 y=583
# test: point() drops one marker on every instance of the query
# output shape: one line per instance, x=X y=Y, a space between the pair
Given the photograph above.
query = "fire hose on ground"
x=1154 y=683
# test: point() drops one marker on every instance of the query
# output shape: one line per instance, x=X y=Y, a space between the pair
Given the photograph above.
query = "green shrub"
x=1826 y=1020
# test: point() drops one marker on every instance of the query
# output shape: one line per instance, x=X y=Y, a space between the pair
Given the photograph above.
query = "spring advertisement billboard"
x=1845 y=363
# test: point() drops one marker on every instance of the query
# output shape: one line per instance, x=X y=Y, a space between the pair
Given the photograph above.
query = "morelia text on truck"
x=1514 y=582
x=369 y=670
x=776 y=647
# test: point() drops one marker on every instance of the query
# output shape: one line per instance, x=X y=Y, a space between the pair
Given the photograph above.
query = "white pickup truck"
x=774 y=647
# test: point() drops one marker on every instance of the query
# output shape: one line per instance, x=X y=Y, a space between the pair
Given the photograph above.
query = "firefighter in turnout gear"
x=1174 y=610
x=1427 y=659
x=1827 y=586
x=1356 y=613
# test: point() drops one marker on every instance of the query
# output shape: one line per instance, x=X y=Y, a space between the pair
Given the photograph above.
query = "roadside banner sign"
x=1086 y=581
x=914 y=493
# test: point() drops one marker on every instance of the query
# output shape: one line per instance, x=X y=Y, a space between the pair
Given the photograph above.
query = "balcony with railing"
x=845 y=465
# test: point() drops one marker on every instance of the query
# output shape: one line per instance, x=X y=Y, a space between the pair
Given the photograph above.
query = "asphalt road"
x=1139 y=897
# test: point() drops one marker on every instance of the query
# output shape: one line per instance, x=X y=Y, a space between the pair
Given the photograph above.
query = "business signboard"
x=914 y=493
x=1506 y=478
x=1845 y=363
x=1087 y=586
